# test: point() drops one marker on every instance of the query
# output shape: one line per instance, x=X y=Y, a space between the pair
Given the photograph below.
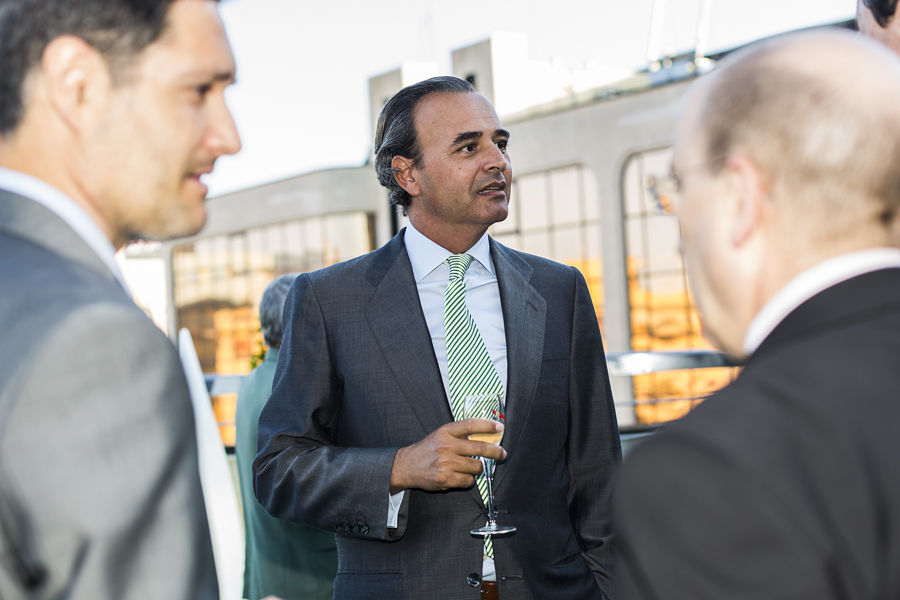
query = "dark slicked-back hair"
x=396 y=131
x=118 y=29
x=882 y=10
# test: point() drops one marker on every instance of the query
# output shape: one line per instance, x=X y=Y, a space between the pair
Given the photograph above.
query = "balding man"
x=786 y=483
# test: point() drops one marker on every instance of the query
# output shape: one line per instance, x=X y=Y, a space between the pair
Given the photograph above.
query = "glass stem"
x=486 y=464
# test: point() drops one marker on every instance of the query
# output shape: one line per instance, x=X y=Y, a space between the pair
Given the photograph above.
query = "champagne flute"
x=487 y=406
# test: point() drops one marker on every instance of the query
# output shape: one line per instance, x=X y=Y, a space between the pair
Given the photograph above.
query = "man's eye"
x=502 y=144
x=202 y=90
x=470 y=147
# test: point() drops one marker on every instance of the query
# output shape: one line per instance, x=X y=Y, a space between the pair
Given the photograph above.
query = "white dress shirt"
x=66 y=209
x=809 y=283
x=432 y=275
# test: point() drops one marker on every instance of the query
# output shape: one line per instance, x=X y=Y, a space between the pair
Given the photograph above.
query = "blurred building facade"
x=581 y=160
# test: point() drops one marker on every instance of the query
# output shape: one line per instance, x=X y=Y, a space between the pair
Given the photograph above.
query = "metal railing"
x=631 y=364
x=619 y=364
x=642 y=363
x=218 y=385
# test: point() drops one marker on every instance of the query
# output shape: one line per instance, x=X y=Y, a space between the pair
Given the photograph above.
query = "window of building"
x=663 y=316
x=219 y=280
x=555 y=213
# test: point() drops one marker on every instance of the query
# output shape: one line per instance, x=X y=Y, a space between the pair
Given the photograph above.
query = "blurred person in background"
x=283 y=558
x=111 y=111
x=784 y=484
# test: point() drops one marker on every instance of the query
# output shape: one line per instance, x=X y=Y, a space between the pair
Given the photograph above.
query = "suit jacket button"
x=364 y=529
x=473 y=579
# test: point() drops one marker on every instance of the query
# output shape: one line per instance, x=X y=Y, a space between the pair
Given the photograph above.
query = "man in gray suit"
x=110 y=112
x=358 y=435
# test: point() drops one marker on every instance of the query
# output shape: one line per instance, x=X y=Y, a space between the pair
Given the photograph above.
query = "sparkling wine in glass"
x=487 y=406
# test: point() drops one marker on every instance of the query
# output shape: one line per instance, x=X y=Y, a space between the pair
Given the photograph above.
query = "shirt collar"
x=812 y=281
x=425 y=255
x=66 y=209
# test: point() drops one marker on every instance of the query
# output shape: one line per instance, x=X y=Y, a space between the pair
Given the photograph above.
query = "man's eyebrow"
x=226 y=76
x=466 y=136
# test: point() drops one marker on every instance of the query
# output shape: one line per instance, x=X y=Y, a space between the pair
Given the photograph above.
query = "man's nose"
x=498 y=160
x=223 y=137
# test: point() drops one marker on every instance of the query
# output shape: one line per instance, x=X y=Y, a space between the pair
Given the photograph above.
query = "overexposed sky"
x=301 y=101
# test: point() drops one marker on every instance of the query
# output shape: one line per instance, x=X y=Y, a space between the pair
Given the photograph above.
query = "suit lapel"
x=524 y=318
x=395 y=317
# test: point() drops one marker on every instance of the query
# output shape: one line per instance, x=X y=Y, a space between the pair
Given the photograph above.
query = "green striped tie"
x=469 y=366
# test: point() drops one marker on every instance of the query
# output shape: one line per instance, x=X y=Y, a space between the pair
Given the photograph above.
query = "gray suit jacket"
x=357 y=379
x=99 y=486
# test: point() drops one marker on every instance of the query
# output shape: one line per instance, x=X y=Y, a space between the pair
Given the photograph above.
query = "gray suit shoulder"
x=42 y=289
x=40 y=279
x=83 y=371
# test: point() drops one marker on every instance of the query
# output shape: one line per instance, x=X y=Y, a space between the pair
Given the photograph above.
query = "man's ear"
x=74 y=75
x=405 y=174
x=751 y=193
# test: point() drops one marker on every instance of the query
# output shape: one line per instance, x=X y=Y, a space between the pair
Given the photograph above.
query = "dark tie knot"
x=458 y=264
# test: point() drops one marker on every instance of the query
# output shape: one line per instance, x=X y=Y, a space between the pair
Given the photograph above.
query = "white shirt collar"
x=425 y=255
x=812 y=281
x=67 y=210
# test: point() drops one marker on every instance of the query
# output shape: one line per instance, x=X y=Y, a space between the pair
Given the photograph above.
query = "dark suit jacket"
x=785 y=484
x=283 y=558
x=99 y=486
x=357 y=378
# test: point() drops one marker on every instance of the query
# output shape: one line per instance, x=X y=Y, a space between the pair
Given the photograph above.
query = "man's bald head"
x=787 y=154
x=819 y=114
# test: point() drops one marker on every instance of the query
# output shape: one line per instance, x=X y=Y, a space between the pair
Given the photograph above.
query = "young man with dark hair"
x=111 y=111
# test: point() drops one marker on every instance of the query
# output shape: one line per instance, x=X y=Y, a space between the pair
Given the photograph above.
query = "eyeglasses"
x=664 y=190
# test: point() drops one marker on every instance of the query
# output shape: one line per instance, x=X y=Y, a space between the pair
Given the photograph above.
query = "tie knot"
x=458 y=264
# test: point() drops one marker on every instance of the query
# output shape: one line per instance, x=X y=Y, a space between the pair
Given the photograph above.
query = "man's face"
x=465 y=174
x=890 y=35
x=162 y=128
x=703 y=222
